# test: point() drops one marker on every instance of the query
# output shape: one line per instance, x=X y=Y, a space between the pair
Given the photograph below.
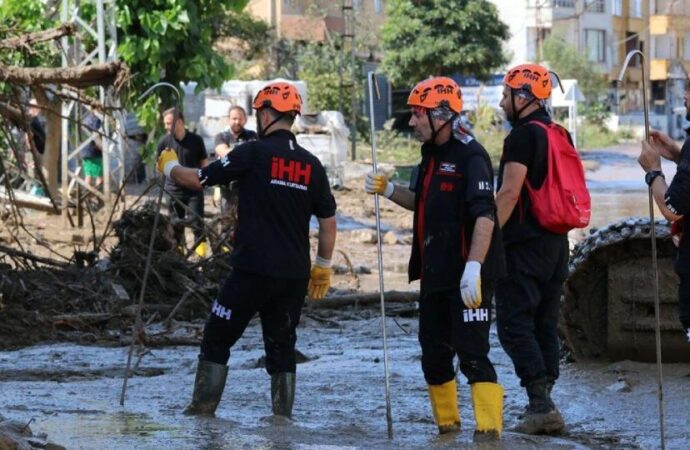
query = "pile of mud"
x=17 y=435
x=83 y=299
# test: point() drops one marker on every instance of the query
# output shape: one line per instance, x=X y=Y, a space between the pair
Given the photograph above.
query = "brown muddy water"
x=72 y=392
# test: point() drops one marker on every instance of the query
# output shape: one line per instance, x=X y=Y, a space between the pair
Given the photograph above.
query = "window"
x=662 y=47
x=564 y=3
x=595 y=41
x=617 y=7
x=595 y=6
x=357 y=5
x=635 y=8
x=632 y=42
x=686 y=47
x=378 y=6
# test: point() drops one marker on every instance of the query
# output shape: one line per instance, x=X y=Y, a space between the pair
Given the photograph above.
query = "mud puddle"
x=340 y=401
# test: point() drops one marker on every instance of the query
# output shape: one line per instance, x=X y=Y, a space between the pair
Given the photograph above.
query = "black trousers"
x=528 y=303
x=279 y=304
x=684 y=300
x=195 y=201
x=446 y=328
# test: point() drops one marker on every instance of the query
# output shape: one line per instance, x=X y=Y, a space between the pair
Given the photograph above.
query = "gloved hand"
x=471 y=285
x=378 y=184
x=167 y=160
x=320 y=280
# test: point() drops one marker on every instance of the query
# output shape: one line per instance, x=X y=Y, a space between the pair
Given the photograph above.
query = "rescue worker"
x=225 y=141
x=281 y=185
x=455 y=253
x=191 y=152
x=528 y=298
x=673 y=201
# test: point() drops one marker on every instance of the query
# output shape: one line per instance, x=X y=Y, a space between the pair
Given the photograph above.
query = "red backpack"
x=562 y=202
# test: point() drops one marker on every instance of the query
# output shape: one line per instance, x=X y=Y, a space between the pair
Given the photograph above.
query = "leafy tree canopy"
x=564 y=59
x=438 y=37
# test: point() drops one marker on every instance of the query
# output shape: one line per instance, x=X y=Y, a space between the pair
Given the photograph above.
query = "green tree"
x=564 y=59
x=438 y=37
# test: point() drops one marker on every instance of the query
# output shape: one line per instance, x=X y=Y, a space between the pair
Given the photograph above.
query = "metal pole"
x=353 y=93
x=149 y=254
x=657 y=330
x=371 y=78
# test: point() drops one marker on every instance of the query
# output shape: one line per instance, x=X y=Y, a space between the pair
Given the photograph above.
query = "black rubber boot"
x=541 y=416
x=208 y=388
x=282 y=393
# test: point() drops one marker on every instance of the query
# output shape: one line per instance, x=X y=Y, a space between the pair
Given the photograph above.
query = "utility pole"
x=349 y=36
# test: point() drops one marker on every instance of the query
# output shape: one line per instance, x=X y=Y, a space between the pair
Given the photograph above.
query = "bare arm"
x=327 y=233
x=666 y=146
x=186 y=177
x=659 y=188
x=513 y=178
x=403 y=196
x=481 y=239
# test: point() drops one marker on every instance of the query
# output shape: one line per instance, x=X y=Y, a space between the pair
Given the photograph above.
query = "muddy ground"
x=72 y=391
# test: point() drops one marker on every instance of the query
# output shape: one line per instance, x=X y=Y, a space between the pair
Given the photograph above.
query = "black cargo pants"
x=279 y=303
x=195 y=202
x=684 y=301
x=528 y=304
x=446 y=328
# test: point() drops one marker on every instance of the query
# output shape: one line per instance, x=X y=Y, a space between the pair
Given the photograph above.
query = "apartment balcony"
x=660 y=25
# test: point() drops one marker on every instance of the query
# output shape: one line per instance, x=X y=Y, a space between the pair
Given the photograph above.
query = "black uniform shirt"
x=281 y=185
x=526 y=144
x=453 y=187
x=228 y=138
x=38 y=133
x=678 y=201
x=190 y=152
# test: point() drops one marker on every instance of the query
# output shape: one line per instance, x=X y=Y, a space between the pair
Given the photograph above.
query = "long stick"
x=149 y=255
x=657 y=325
x=389 y=416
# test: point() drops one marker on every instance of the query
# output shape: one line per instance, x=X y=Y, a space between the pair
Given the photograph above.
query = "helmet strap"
x=516 y=114
x=434 y=131
x=262 y=131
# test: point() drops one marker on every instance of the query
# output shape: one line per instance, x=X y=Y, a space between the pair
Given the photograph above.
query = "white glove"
x=378 y=184
x=471 y=285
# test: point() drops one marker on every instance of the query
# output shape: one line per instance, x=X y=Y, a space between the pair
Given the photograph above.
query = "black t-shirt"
x=228 y=138
x=190 y=152
x=281 y=185
x=526 y=144
x=678 y=201
x=38 y=133
x=92 y=124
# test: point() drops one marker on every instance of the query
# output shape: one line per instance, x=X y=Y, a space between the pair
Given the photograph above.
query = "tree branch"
x=66 y=29
x=112 y=73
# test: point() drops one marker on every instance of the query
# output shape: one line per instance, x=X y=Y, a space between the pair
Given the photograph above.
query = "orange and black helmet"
x=532 y=78
x=436 y=92
x=281 y=96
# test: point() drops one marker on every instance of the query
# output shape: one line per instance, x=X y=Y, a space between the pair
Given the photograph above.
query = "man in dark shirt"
x=456 y=252
x=281 y=185
x=191 y=152
x=38 y=132
x=528 y=298
x=673 y=201
x=224 y=143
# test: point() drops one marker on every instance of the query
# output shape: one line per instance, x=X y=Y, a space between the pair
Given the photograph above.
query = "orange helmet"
x=530 y=77
x=281 y=96
x=435 y=92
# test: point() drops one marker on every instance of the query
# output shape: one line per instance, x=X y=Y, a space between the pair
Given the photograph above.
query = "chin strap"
x=434 y=131
x=516 y=114
x=261 y=131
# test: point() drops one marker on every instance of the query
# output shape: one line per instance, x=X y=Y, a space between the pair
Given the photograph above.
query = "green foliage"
x=567 y=62
x=391 y=147
x=438 y=37
x=487 y=126
x=319 y=66
x=19 y=17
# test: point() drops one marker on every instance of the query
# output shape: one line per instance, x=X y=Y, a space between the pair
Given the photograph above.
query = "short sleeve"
x=479 y=194
x=324 y=204
x=677 y=196
x=202 y=149
x=220 y=139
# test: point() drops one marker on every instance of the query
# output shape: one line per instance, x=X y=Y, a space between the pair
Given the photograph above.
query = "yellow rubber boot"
x=487 y=401
x=201 y=249
x=444 y=404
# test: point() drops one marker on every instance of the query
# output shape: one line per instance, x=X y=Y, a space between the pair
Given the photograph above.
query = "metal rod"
x=657 y=325
x=371 y=78
x=149 y=254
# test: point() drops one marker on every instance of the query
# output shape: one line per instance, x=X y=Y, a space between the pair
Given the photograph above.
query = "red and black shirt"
x=453 y=187
x=281 y=185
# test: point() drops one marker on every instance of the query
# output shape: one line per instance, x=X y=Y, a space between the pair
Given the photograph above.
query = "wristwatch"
x=651 y=176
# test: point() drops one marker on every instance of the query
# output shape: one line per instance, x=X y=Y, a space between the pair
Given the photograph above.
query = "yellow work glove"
x=471 y=285
x=320 y=279
x=378 y=184
x=167 y=160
